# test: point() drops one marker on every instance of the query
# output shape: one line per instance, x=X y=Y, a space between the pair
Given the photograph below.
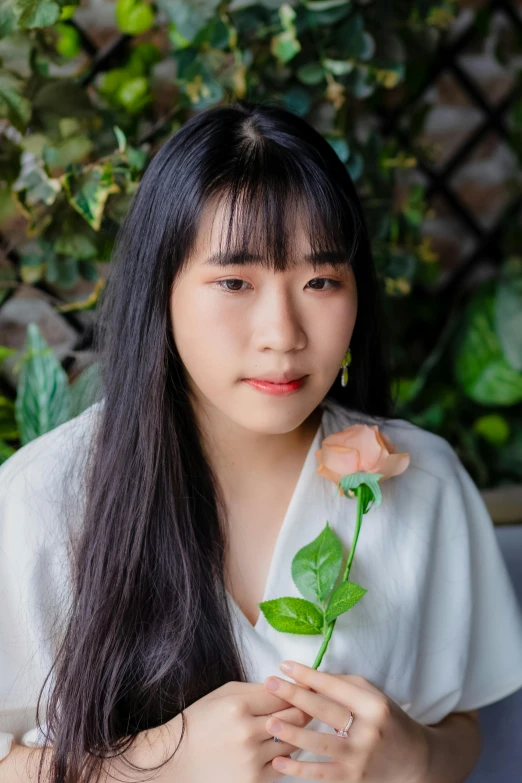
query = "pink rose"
x=359 y=449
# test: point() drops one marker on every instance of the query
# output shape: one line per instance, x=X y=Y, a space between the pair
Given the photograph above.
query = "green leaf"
x=13 y=105
x=285 y=46
x=480 y=367
x=35 y=187
x=8 y=427
x=351 y=38
x=5 y=352
x=66 y=273
x=121 y=138
x=89 y=189
x=42 y=399
x=326 y=13
x=370 y=480
x=134 y=17
x=508 y=319
x=355 y=165
x=38 y=13
x=200 y=86
x=325 y=5
x=134 y=94
x=493 y=427
x=338 y=67
x=316 y=566
x=71 y=150
x=111 y=81
x=68 y=11
x=311 y=73
x=85 y=304
x=293 y=615
x=5 y=452
x=298 y=100
x=340 y=146
x=345 y=595
x=86 y=390
x=9 y=12
x=188 y=17
x=143 y=57
x=62 y=98
x=76 y=245
x=69 y=41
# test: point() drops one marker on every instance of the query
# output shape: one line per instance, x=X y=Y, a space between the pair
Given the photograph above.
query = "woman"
x=140 y=538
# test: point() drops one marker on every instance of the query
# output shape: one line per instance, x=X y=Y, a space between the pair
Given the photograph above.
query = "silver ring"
x=344 y=732
x=340 y=732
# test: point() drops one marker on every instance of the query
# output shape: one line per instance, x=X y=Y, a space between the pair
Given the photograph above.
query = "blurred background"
x=422 y=101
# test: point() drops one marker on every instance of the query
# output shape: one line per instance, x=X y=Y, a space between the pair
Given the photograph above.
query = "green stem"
x=359 y=491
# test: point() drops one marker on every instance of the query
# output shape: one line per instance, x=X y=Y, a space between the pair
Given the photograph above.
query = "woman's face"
x=245 y=321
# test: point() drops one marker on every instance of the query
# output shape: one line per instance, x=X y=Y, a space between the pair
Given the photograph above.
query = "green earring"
x=344 y=364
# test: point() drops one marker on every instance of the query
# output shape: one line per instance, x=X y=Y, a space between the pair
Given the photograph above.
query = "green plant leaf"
x=493 y=427
x=338 y=67
x=326 y=12
x=340 y=146
x=345 y=595
x=188 y=17
x=8 y=427
x=134 y=94
x=508 y=319
x=293 y=615
x=42 y=397
x=69 y=42
x=120 y=138
x=480 y=367
x=285 y=46
x=370 y=480
x=325 y=5
x=316 y=565
x=89 y=189
x=9 y=12
x=85 y=390
x=38 y=13
x=134 y=17
x=35 y=187
x=74 y=244
x=5 y=452
x=14 y=106
x=5 y=352
x=311 y=73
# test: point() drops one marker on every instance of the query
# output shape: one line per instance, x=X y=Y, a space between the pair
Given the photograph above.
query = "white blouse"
x=439 y=630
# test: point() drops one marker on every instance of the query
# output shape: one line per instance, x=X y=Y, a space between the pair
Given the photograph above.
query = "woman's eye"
x=335 y=283
x=223 y=283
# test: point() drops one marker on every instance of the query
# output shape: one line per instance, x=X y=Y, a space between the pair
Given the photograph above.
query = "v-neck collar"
x=287 y=520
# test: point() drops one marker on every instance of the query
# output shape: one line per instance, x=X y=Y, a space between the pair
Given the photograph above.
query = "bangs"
x=267 y=198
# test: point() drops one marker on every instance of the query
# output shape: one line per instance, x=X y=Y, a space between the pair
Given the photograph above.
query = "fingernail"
x=279 y=764
x=286 y=666
x=275 y=725
x=273 y=684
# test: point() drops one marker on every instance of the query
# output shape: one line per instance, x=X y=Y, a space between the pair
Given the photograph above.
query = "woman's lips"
x=275 y=388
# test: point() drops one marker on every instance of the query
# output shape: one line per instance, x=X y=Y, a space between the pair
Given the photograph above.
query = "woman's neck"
x=243 y=458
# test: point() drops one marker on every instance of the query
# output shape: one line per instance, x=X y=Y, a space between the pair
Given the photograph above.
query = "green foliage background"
x=78 y=127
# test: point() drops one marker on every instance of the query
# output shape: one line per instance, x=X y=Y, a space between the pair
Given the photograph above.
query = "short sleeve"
x=492 y=661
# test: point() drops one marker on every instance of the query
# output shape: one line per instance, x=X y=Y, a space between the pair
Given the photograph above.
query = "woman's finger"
x=343 y=691
x=321 y=707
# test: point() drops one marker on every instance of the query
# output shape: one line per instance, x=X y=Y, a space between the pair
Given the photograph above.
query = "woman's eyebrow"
x=321 y=258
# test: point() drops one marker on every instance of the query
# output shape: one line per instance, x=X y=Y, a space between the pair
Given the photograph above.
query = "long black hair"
x=149 y=629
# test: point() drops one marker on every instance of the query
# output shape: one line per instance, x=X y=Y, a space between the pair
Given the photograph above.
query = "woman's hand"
x=225 y=738
x=383 y=743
